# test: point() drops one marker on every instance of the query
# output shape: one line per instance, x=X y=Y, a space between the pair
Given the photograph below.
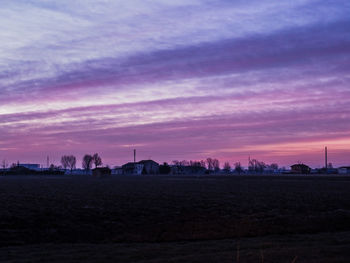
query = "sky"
x=186 y=79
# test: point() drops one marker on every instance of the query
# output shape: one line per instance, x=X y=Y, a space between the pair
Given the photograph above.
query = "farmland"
x=175 y=218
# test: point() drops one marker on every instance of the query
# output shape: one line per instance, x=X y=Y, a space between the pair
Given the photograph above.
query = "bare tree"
x=213 y=164
x=195 y=164
x=87 y=162
x=176 y=162
x=261 y=167
x=227 y=167
x=184 y=163
x=210 y=164
x=96 y=160
x=72 y=162
x=68 y=161
x=216 y=165
x=273 y=166
x=256 y=166
x=65 y=161
x=238 y=168
x=4 y=164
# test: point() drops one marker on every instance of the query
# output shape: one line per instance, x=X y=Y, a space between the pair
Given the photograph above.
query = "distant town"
x=93 y=165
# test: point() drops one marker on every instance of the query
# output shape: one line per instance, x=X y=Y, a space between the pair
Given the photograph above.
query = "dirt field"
x=175 y=219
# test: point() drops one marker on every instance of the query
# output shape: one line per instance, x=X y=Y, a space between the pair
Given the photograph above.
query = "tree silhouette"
x=64 y=161
x=238 y=168
x=256 y=166
x=68 y=161
x=213 y=164
x=210 y=164
x=197 y=163
x=4 y=164
x=96 y=160
x=227 y=167
x=72 y=162
x=216 y=165
x=87 y=162
x=273 y=166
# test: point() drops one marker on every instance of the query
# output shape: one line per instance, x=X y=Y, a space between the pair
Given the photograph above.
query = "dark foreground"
x=175 y=219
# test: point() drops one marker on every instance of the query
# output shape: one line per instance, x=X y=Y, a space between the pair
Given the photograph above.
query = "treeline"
x=210 y=165
x=213 y=165
x=69 y=161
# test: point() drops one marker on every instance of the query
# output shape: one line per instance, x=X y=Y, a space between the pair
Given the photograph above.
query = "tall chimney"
x=134 y=155
x=326 y=158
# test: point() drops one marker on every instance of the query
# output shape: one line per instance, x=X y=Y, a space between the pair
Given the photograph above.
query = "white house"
x=132 y=168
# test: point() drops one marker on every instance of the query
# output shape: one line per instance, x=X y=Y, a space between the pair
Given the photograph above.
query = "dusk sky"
x=185 y=79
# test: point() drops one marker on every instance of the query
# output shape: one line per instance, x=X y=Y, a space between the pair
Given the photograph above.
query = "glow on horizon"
x=177 y=80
